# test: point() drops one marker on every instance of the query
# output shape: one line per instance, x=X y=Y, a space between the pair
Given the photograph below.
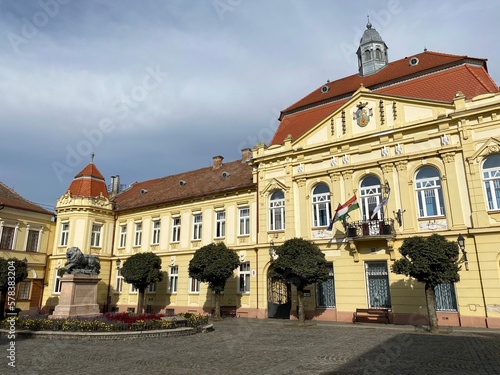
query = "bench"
x=228 y=311
x=372 y=316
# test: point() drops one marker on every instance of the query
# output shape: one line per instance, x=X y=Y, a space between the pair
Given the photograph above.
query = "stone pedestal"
x=78 y=296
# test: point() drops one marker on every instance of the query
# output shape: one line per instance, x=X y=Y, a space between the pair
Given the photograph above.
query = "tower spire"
x=372 y=51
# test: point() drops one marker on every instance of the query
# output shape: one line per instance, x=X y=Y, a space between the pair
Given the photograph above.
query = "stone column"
x=455 y=199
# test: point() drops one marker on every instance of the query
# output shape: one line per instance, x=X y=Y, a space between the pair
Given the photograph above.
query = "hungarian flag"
x=344 y=209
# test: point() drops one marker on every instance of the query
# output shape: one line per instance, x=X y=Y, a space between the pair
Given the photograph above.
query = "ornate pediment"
x=273 y=185
x=491 y=146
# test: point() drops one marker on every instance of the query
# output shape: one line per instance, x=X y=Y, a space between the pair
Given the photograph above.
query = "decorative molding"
x=272 y=186
x=345 y=159
x=448 y=157
x=354 y=251
x=333 y=161
x=384 y=152
x=335 y=176
x=301 y=182
x=401 y=165
x=491 y=146
x=398 y=150
x=387 y=168
x=347 y=174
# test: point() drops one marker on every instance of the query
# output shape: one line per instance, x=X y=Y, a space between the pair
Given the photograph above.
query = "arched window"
x=322 y=211
x=368 y=55
x=429 y=192
x=277 y=211
x=371 y=195
x=491 y=177
x=378 y=54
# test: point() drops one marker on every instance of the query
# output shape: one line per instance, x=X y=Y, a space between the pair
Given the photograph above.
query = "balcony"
x=371 y=229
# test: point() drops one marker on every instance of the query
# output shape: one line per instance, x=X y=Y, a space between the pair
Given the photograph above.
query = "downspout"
x=257 y=239
x=480 y=281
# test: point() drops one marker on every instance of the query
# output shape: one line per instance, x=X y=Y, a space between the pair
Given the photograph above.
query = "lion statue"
x=77 y=262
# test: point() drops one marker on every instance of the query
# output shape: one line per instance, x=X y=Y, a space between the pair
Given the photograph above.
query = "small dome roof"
x=370 y=35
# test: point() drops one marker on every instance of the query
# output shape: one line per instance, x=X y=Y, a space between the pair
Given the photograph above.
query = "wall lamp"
x=461 y=245
x=272 y=251
x=118 y=263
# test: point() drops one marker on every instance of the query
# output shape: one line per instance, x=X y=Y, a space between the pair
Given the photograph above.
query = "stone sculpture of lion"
x=77 y=262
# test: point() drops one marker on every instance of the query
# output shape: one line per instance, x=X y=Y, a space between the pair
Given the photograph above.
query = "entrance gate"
x=279 y=301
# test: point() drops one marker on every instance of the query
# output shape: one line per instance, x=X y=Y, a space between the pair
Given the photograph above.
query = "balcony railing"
x=371 y=228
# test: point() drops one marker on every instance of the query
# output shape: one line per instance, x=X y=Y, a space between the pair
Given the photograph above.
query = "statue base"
x=78 y=297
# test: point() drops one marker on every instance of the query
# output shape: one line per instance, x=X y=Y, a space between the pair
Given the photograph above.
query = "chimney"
x=115 y=185
x=246 y=155
x=217 y=161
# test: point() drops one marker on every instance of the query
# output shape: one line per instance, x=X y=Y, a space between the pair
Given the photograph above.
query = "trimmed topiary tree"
x=12 y=272
x=300 y=262
x=214 y=264
x=432 y=261
x=142 y=270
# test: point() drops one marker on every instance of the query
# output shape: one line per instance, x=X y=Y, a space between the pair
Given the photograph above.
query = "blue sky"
x=155 y=88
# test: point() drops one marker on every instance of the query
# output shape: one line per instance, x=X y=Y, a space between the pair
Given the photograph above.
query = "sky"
x=154 y=88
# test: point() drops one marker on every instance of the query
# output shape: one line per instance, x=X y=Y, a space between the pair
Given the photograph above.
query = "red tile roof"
x=437 y=76
x=197 y=183
x=9 y=198
x=89 y=183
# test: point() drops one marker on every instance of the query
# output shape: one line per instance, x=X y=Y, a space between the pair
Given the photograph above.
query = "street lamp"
x=461 y=245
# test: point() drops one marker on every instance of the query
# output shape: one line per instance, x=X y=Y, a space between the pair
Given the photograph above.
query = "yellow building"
x=26 y=233
x=414 y=142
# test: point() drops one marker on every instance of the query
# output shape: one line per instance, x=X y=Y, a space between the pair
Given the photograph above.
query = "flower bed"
x=105 y=323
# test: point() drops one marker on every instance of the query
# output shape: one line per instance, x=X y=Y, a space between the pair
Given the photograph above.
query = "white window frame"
x=133 y=289
x=155 y=236
x=491 y=179
x=123 y=236
x=244 y=221
x=38 y=239
x=276 y=210
x=244 y=278
x=57 y=283
x=151 y=289
x=63 y=241
x=197 y=227
x=176 y=229
x=429 y=187
x=95 y=237
x=220 y=224
x=194 y=286
x=370 y=197
x=320 y=203
x=173 y=279
x=138 y=234
x=119 y=280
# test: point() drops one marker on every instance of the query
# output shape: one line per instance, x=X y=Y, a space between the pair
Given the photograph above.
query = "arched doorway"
x=279 y=302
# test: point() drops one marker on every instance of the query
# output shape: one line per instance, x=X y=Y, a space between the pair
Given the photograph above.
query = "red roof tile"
x=89 y=183
x=437 y=76
x=9 y=198
x=197 y=183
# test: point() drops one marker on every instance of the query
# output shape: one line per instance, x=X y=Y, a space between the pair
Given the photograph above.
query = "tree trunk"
x=300 y=300
x=430 y=297
x=140 y=301
x=217 y=315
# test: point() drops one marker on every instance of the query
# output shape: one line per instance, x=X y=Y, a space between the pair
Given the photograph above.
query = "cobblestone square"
x=250 y=346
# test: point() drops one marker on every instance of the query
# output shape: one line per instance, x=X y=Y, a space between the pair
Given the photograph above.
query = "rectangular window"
x=138 y=234
x=95 y=239
x=220 y=224
x=156 y=232
x=23 y=290
x=123 y=235
x=172 y=280
x=7 y=241
x=176 y=229
x=32 y=244
x=57 y=282
x=446 y=299
x=325 y=291
x=151 y=288
x=194 y=285
x=64 y=234
x=197 y=227
x=244 y=219
x=133 y=289
x=119 y=281
x=244 y=278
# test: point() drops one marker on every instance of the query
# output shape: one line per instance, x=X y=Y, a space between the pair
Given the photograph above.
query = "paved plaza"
x=251 y=346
